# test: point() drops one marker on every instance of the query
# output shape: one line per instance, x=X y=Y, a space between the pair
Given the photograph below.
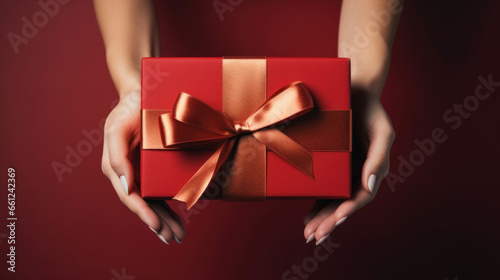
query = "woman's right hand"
x=122 y=134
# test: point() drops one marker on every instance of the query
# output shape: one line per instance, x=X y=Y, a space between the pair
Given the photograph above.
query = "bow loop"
x=194 y=123
x=190 y=110
x=289 y=102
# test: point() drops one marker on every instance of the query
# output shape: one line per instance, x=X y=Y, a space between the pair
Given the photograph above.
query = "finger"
x=341 y=213
x=376 y=165
x=165 y=233
x=312 y=226
x=134 y=201
x=118 y=140
x=176 y=229
x=137 y=205
x=172 y=213
x=140 y=207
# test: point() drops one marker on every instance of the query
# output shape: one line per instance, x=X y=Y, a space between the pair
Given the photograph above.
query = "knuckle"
x=110 y=126
x=114 y=163
x=104 y=169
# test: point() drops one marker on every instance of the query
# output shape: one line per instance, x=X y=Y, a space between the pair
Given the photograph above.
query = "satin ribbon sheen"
x=193 y=123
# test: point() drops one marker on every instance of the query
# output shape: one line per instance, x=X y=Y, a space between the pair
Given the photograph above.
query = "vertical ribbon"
x=244 y=91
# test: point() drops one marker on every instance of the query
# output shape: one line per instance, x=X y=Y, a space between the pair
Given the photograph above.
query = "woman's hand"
x=121 y=138
x=370 y=60
x=374 y=130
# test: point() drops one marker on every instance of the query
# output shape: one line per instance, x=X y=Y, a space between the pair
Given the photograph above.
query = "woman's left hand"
x=374 y=129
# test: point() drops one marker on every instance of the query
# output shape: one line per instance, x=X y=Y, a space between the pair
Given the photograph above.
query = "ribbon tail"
x=195 y=187
x=179 y=135
x=288 y=149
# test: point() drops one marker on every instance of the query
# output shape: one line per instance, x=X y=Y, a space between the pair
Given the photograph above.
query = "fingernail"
x=322 y=239
x=124 y=183
x=340 y=221
x=371 y=182
x=311 y=238
x=176 y=239
x=162 y=238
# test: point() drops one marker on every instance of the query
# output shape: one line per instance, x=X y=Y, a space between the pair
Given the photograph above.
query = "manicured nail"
x=176 y=239
x=322 y=239
x=311 y=238
x=340 y=221
x=371 y=182
x=162 y=238
x=124 y=183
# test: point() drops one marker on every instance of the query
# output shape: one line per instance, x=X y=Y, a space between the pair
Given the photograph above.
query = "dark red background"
x=441 y=223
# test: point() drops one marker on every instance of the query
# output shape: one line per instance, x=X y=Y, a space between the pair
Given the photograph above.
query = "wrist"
x=370 y=77
x=371 y=85
x=131 y=99
x=369 y=70
x=131 y=92
x=126 y=75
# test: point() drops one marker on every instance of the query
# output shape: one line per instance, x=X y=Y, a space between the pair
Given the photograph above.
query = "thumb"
x=376 y=165
x=118 y=144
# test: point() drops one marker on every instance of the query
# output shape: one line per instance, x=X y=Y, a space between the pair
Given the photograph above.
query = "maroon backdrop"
x=437 y=220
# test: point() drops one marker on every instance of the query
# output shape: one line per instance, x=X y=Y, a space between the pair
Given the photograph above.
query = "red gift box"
x=164 y=171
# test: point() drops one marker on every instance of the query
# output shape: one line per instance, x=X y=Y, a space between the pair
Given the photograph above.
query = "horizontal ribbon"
x=317 y=131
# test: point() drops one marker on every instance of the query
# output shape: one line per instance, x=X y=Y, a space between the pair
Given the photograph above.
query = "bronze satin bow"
x=193 y=123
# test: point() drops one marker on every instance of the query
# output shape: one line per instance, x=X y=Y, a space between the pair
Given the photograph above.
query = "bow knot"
x=193 y=123
x=241 y=128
